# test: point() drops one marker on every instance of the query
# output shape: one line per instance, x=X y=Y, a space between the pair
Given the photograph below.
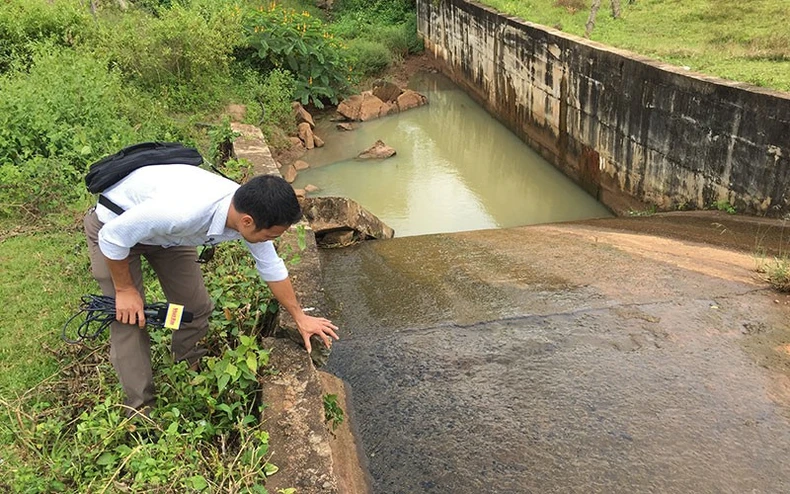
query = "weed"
x=68 y=433
x=332 y=412
x=648 y=211
x=777 y=272
x=221 y=138
x=369 y=57
x=275 y=97
x=724 y=205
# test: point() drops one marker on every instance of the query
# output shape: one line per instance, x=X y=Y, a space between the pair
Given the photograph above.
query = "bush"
x=392 y=25
x=400 y=39
x=67 y=111
x=368 y=57
x=381 y=12
x=298 y=42
x=183 y=55
x=55 y=120
x=276 y=96
x=25 y=22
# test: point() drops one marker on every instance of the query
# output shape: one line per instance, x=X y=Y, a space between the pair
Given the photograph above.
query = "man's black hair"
x=270 y=200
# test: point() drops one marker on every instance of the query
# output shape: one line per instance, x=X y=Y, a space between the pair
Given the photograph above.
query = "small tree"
x=596 y=4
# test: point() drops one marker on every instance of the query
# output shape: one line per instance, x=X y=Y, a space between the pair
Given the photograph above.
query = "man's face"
x=254 y=236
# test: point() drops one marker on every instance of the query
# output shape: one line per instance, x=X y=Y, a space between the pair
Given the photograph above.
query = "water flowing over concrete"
x=564 y=358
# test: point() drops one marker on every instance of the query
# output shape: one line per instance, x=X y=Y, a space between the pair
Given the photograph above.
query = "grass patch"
x=43 y=274
x=732 y=39
x=778 y=273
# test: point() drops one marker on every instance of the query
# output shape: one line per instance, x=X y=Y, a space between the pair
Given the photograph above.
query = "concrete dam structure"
x=628 y=129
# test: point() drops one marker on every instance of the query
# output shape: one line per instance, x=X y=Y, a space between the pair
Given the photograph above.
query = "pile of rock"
x=384 y=99
x=339 y=221
x=306 y=126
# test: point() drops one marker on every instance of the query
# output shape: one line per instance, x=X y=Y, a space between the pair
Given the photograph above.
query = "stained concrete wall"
x=628 y=129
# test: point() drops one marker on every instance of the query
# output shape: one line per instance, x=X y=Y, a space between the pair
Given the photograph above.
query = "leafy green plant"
x=369 y=57
x=332 y=412
x=237 y=170
x=300 y=43
x=275 y=97
x=204 y=434
x=724 y=205
x=66 y=111
x=242 y=302
x=221 y=139
x=24 y=23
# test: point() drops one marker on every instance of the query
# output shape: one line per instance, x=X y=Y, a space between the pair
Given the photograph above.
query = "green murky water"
x=456 y=169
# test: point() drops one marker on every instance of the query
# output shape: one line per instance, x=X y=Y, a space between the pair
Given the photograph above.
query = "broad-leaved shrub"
x=300 y=43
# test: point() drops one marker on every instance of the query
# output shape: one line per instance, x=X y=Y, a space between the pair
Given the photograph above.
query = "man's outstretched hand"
x=319 y=326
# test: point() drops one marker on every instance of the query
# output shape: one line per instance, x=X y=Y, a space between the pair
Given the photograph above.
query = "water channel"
x=533 y=359
x=456 y=169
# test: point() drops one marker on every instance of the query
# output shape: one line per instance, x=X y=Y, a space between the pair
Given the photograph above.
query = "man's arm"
x=284 y=293
x=128 y=302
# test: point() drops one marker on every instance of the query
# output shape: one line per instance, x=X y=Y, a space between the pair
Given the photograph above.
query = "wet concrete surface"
x=563 y=358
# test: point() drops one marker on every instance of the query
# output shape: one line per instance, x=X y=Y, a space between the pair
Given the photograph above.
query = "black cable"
x=99 y=311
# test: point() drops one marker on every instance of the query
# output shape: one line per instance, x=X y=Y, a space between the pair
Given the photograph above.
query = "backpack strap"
x=110 y=205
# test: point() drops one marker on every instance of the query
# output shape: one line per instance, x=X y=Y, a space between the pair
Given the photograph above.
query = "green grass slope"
x=746 y=41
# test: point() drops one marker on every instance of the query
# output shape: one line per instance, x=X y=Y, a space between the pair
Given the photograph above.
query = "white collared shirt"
x=172 y=205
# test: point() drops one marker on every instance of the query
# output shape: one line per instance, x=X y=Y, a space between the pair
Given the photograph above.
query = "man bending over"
x=168 y=210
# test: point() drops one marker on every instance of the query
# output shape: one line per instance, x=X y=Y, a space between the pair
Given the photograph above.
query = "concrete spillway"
x=567 y=358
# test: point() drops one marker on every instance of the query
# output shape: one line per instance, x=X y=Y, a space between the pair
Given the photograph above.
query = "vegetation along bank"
x=81 y=80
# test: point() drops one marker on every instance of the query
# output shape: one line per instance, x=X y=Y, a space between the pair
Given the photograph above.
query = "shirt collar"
x=220 y=216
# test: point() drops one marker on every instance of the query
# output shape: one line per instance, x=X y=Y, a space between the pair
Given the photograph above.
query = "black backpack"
x=111 y=169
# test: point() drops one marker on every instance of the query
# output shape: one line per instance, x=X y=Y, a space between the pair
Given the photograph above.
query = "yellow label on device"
x=174 y=314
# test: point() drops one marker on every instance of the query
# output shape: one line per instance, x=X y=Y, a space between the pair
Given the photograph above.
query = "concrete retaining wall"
x=626 y=128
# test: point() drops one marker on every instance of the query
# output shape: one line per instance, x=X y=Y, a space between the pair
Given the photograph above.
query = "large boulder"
x=306 y=135
x=410 y=99
x=302 y=115
x=386 y=91
x=332 y=217
x=291 y=153
x=289 y=173
x=363 y=107
x=377 y=151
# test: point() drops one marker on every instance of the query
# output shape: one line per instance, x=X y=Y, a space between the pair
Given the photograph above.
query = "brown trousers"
x=182 y=283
